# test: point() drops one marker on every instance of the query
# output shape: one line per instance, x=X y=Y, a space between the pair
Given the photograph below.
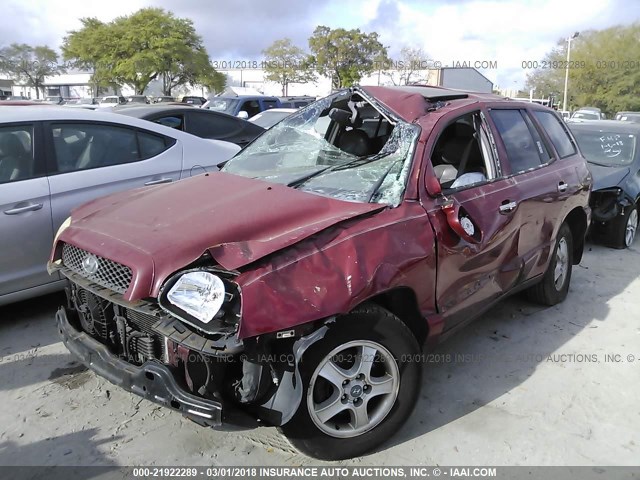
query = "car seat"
x=16 y=162
x=355 y=142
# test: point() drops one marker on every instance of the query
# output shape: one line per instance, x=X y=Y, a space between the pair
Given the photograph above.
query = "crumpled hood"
x=606 y=177
x=239 y=220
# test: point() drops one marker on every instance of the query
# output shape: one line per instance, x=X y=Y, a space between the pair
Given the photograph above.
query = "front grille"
x=109 y=274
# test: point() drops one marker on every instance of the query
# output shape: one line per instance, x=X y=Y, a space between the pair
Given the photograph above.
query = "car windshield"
x=225 y=105
x=586 y=115
x=268 y=118
x=635 y=118
x=341 y=146
x=611 y=149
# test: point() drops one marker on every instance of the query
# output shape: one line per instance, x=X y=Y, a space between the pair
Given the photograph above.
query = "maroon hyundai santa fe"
x=296 y=287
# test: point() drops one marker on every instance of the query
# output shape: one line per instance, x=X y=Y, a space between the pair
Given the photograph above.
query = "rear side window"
x=16 y=154
x=84 y=146
x=557 y=133
x=151 y=145
x=174 y=121
x=211 y=125
x=525 y=149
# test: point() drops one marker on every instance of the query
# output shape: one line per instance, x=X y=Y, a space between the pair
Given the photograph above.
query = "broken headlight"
x=200 y=294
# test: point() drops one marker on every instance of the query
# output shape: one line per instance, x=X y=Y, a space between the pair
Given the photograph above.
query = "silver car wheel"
x=632 y=227
x=353 y=389
x=562 y=264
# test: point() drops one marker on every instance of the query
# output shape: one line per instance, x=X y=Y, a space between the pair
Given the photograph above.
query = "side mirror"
x=460 y=223
x=243 y=115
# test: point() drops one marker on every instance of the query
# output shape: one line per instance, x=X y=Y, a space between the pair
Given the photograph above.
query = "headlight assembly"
x=200 y=294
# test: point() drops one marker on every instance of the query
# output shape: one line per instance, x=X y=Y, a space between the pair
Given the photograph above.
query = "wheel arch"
x=403 y=303
x=577 y=222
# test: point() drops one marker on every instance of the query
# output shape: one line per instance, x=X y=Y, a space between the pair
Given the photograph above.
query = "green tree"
x=604 y=70
x=407 y=69
x=345 y=55
x=214 y=82
x=84 y=49
x=29 y=64
x=286 y=63
x=137 y=49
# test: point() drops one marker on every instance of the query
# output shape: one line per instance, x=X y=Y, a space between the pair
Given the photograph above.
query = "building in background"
x=6 y=87
x=468 y=79
x=77 y=84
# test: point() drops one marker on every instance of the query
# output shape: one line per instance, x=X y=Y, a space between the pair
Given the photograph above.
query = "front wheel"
x=360 y=384
x=624 y=228
x=554 y=286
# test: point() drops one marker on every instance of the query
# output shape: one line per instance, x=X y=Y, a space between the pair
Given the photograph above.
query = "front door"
x=477 y=221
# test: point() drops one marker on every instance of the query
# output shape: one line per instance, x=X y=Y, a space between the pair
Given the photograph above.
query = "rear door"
x=541 y=185
x=26 y=233
x=88 y=160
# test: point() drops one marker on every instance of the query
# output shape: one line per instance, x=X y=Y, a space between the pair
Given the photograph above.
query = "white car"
x=111 y=101
x=269 y=118
x=53 y=159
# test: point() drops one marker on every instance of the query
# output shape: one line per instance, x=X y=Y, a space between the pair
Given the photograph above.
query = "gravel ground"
x=523 y=385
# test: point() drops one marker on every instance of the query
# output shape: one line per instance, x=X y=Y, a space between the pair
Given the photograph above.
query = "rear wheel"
x=554 y=286
x=360 y=384
x=624 y=228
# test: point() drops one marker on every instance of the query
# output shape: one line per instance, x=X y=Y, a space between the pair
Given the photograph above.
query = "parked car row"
x=296 y=286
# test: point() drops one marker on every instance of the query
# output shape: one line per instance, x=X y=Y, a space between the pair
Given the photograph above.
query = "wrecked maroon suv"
x=296 y=287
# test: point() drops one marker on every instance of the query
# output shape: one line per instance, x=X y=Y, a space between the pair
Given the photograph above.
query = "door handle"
x=562 y=187
x=159 y=181
x=27 y=208
x=507 y=206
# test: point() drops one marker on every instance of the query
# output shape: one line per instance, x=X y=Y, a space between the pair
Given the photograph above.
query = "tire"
x=368 y=332
x=623 y=228
x=554 y=286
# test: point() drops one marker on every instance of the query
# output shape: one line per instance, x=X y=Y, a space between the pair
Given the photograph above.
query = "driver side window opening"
x=367 y=136
x=462 y=155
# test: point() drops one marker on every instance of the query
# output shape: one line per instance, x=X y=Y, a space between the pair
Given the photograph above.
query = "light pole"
x=566 y=73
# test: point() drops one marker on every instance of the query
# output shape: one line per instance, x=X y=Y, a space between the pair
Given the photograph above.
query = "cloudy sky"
x=508 y=32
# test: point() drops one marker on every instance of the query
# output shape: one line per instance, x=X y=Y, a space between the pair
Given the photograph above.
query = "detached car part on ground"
x=611 y=148
x=296 y=287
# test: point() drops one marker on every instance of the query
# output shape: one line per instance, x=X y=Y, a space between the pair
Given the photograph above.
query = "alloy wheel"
x=353 y=389
x=562 y=264
x=632 y=227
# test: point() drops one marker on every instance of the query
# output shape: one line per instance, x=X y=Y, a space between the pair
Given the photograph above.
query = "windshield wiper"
x=601 y=164
x=358 y=162
x=304 y=179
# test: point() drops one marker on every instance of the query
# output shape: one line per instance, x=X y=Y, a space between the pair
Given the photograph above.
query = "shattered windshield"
x=341 y=146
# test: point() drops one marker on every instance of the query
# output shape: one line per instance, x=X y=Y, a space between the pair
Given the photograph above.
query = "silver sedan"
x=53 y=159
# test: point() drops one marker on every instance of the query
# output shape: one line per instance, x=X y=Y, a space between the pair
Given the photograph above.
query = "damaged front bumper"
x=608 y=203
x=151 y=380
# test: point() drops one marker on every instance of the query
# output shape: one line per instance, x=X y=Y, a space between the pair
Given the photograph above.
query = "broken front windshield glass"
x=340 y=146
